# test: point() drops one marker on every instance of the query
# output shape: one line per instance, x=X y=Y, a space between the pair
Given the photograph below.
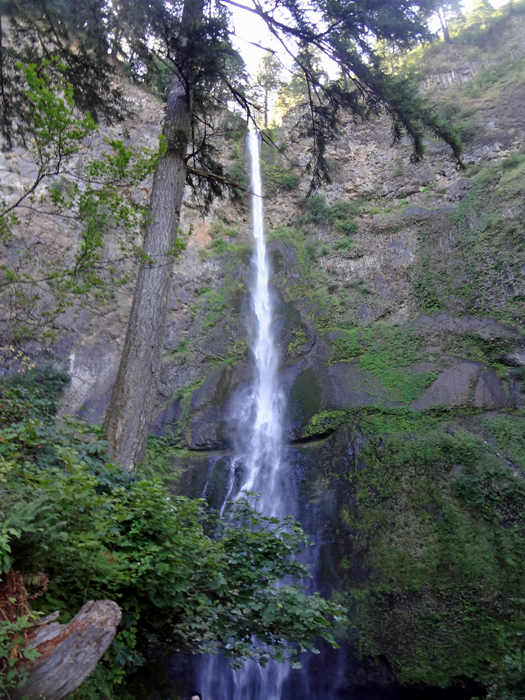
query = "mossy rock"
x=423 y=518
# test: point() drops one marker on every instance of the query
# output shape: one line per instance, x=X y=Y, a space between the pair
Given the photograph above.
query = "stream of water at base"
x=259 y=453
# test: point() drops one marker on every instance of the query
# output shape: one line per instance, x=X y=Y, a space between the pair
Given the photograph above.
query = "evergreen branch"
x=226 y=181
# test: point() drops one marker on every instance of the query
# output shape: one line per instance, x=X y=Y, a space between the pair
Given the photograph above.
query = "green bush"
x=288 y=181
x=13 y=677
x=219 y=229
x=311 y=251
x=49 y=379
x=219 y=246
x=343 y=244
x=315 y=209
x=462 y=119
x=184 y=577
x=337 y=214
x=347 y=226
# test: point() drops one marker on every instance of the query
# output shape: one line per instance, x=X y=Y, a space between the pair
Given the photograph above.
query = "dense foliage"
x=184 y=578
x=155 y=42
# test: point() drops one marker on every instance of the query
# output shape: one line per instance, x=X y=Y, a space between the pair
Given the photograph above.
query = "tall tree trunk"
x=444 y=26
x=129 y=414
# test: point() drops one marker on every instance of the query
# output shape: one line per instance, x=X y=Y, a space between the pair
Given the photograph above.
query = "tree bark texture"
x=130 y=410
x=69 y=653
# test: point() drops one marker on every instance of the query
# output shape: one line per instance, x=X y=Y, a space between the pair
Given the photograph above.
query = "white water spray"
x=260 y=426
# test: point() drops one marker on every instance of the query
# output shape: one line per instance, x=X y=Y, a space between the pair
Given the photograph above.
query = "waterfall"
x=259 y=452
x=262 y=457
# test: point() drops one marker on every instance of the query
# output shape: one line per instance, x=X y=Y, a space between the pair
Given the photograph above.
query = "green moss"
x=299 y=338
x=214 y=304
x=219 y=246
x=181 y=348
x=342 y=245
x=287 y=180
x=337 y=215
x=428 y=537
x=323 y=422
x=220 y=229
x=304 y=399
x=484 y=248
x=386 y=352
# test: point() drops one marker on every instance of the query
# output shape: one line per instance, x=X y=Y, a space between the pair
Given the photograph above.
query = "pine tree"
x=192 y=39
x=306 y=67
x=268 y=80
x=446 y=12
x=71 y=34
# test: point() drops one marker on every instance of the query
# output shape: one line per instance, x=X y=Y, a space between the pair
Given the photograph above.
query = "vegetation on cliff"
x=429 y=538
x=421 y=510
x=429 y=522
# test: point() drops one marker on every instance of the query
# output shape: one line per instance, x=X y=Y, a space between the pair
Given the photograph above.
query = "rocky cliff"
x=401 y=318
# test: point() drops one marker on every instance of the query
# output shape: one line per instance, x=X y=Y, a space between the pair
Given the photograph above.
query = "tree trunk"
x=129 y=414
x=444 y=26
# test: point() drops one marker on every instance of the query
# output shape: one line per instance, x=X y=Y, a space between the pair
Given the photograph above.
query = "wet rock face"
x=402 y=360
x=404 y=509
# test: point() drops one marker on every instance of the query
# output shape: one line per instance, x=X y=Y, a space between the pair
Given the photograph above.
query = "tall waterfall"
x=259 y=454
x=262 y=457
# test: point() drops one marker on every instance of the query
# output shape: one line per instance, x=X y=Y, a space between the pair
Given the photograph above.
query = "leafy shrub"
x=311 y=252
x=337 y=214
x=50 y=380
x=12 y=678
x=219 y=229
x=183 y=576
x=219 y=246
x=315 y=209
x=343 y=244
x=462 y=119
x=347 y=226
x=288 y=181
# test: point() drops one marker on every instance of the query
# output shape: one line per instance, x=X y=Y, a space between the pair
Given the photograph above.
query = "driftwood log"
x=69 y=653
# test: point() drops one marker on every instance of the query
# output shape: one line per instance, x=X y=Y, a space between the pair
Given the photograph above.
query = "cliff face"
x=401 y=316
x=401 y=323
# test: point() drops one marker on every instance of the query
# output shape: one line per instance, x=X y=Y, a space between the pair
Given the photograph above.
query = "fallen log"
x=68 y=653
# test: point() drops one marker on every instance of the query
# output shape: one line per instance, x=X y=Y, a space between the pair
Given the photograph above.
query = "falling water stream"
x=262 y=413
x=259 y=453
